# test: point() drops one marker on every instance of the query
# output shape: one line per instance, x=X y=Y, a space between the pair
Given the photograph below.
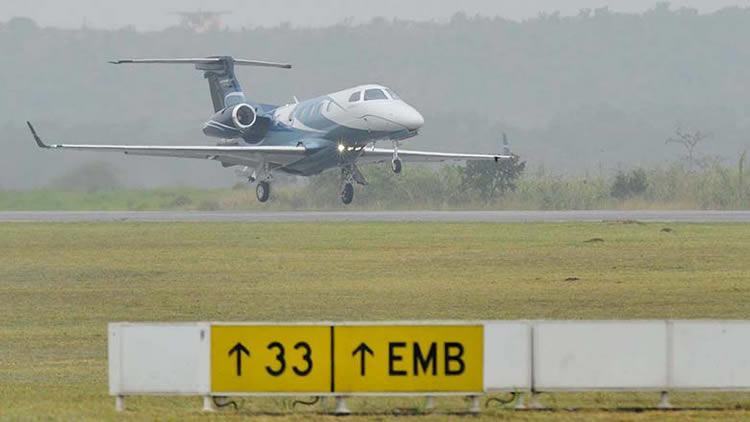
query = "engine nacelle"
x=231 y=122
x=243 y=116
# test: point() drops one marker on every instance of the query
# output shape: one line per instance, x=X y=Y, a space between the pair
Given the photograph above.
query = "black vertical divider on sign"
x=333 y=360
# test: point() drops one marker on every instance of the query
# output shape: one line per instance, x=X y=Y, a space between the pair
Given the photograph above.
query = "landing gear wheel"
x=347 y=194
x=263 y=191
x=396 y=166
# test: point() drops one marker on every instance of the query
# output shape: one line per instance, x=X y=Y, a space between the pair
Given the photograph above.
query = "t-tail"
x=235 y=116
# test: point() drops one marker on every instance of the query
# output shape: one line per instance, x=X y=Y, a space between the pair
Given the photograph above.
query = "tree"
x=491 y=178
x=689 y=140
x=630 y=184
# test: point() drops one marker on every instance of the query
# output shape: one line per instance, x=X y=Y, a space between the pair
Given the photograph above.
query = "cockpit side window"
x=355 y=97
x=375 y=94
x=392 y=94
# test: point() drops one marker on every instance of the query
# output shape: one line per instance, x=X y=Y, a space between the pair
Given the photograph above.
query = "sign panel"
x=158 y=358
x=599 y=355
x=507 y=356
x=270 y=358
x=710 y=355
x=408 y=358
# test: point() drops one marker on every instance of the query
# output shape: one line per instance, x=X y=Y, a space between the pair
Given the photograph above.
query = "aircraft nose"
x=411 y=118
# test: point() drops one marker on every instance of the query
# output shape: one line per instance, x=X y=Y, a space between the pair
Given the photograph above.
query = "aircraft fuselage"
x=333 y=127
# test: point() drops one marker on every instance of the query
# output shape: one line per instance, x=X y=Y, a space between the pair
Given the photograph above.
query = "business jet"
x=304 y=138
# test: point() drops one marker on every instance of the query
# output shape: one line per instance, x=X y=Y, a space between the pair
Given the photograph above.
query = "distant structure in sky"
x=202 y=21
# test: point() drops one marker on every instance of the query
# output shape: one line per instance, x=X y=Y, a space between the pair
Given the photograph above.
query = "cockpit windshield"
x=375 y=94
x=393 y=95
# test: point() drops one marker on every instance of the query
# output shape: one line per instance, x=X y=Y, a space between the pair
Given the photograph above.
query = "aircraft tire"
x=396 y=166
x=347 y=194
x=263 y=191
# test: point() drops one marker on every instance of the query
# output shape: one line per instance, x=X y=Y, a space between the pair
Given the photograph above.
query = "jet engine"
x=243 y=116
x=231 y=122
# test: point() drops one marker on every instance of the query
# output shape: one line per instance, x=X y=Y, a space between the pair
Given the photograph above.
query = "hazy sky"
x=157 y=14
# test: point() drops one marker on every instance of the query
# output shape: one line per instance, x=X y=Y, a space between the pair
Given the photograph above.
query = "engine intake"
x=243 y=116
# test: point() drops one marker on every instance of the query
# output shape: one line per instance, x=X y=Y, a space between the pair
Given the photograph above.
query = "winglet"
x=36 y=137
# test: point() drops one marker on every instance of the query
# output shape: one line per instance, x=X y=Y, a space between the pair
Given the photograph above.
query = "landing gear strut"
x=263 y=191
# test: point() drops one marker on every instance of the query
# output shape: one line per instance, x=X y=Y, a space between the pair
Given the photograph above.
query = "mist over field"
x=582 y=93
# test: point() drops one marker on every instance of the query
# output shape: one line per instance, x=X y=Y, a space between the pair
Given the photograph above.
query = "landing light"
x=341 y=147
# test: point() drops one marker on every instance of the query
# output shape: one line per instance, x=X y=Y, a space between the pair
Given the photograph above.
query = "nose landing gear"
x=396 y=162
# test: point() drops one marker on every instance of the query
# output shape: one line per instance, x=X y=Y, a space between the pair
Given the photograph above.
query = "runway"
x=378 y=216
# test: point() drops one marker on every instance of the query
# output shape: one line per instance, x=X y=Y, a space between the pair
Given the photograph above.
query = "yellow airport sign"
x=270 y=358
x=408 y=358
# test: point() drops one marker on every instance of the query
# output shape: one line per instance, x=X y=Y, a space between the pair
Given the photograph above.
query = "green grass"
x=61 y=283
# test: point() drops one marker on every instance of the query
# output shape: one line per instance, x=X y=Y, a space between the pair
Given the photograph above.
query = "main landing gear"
x=347 y=184
x=396 y=166
x=347 y=193
x=350 y=175
x=263 y=191
x=263 y=177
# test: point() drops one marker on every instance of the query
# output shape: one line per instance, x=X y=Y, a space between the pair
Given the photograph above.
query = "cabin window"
x=355 y=97
x=375 y=94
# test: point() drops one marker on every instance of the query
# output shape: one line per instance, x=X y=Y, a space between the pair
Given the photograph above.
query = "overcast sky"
x=158 y=14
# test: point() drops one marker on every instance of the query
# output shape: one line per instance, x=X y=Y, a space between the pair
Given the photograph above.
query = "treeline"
x=672 y=186
x=575 y=94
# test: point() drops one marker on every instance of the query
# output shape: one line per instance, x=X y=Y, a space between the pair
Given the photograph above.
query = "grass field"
x=61 y=283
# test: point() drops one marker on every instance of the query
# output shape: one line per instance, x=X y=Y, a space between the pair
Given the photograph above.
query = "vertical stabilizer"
x=223 y=84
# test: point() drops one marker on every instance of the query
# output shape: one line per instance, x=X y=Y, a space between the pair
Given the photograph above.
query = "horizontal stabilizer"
x=204 y=61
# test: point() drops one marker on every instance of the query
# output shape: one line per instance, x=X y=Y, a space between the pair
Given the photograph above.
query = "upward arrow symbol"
x=363 y=349
x=239 y=349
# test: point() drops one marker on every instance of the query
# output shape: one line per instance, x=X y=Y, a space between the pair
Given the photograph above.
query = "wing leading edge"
x=235 y=155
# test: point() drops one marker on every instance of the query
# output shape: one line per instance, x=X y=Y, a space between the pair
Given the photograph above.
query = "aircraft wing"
x=231 y=155
x=382 y=155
